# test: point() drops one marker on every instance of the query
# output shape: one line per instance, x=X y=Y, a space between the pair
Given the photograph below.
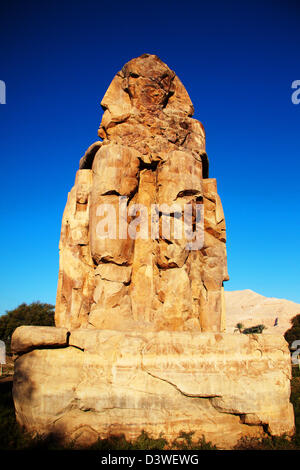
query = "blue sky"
x=237 y=61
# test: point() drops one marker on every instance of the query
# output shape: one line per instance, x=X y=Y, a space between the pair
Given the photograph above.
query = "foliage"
x=36 y=313
x=268 y=443
x=239 y=327
x=142 y=442
x=294 y=332
x=184 y=442
x=295 y=399
x=253 y=329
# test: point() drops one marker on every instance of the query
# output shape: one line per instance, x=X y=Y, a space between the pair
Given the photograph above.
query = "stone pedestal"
x=86 y=384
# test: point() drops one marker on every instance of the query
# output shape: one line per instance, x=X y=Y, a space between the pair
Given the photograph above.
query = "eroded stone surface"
x=153 y=152
x=108 y=382
x=76 y=281
x=26 y=338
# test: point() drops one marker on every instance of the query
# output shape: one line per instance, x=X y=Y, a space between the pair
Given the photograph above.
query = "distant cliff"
x=250 y=308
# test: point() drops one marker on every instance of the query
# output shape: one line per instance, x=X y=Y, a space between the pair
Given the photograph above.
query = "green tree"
x=254 y=329
x=294 y=332
x=239 y=327
x=36 y=313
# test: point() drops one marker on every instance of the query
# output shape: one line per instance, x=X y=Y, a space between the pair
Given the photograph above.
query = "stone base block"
x=103 y=382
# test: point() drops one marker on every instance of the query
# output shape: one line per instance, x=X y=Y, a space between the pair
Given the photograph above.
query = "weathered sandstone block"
x=109 y=382
x=27 y=338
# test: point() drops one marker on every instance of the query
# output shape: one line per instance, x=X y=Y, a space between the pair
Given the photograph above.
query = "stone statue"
x=153 y=153
x=139 y=342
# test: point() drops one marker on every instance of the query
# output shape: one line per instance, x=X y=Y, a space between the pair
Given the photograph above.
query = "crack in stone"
x=174 y=385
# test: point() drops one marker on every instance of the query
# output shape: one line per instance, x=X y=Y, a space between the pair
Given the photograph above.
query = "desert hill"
x=250 y=308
